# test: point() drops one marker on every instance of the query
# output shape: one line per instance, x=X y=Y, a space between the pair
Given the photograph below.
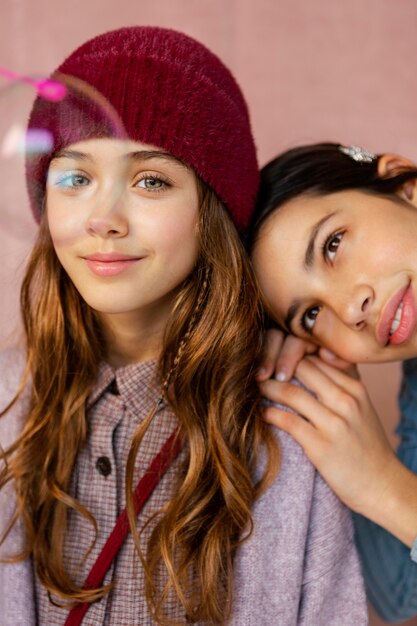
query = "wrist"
x=395 y=506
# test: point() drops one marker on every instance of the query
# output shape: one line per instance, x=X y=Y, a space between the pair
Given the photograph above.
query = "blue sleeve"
x=390 y=574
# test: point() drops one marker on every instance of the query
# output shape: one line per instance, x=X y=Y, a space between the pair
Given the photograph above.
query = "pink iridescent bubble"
x=48 y=89
x=18 y=140
x=51 y=90
x=38 y=140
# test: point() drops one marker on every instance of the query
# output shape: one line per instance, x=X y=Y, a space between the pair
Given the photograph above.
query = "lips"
x=398 y=318
x=110 y=263
x=109 y=257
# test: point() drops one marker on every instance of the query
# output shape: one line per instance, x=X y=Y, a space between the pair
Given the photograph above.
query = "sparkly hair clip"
x=361 y=155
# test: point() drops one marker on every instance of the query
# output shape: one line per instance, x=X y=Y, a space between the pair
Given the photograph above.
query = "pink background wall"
x=328 y=69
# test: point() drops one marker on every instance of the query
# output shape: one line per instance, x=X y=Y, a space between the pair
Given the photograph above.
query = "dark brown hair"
x=318 y=169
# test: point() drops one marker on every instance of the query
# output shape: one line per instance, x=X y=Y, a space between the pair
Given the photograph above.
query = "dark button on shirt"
x=103 y=465
x=113 y=388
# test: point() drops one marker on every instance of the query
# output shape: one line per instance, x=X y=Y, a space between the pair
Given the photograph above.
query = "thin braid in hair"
x=201 y=298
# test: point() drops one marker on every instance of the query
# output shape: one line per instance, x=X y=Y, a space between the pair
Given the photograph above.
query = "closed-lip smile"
x=398 y=318
x=108 y=264
x=109 y=257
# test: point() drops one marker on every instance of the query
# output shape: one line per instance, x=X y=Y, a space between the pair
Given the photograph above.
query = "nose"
x=107 y=218
x=354 y=308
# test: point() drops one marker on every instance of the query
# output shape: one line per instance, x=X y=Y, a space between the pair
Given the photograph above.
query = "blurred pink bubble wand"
x=48 y=89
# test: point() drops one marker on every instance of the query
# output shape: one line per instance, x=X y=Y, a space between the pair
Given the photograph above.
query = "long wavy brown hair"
x=211 y=344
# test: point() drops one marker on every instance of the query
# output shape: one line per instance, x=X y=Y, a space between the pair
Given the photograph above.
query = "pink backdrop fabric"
x=322 y=70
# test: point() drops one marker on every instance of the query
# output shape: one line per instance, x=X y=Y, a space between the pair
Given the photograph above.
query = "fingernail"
x=261 y=371
x=281 y=376
x=328 y=354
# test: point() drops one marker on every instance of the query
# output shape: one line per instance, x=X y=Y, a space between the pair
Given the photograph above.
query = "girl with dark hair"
x=139 y=484
x=333 y=242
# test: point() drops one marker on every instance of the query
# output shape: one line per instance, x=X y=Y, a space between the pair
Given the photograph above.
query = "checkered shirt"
x=118 y=403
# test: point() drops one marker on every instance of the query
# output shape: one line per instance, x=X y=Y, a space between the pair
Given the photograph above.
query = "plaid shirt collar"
x=132 y=381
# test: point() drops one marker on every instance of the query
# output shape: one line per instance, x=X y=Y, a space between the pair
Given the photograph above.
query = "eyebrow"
x=144 y=155
x=308 y=264
x=137 y=155
x=71 y=154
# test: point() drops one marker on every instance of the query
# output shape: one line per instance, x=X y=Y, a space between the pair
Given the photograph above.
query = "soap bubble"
x=73 y=111
x=47 y=88
x=51 y=90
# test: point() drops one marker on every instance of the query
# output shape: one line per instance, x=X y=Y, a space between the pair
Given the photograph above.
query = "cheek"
x=57 y=231
x=353 y=352
x=380 y=246
x=64 y=226
x=347 y=344
x=176 y=240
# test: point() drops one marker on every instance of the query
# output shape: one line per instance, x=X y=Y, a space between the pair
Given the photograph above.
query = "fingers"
x=298 y=399
x=292 y=351
x=336 y=393
x=281 y=355
x=308 y=373
x=273 y=342
x=332 y=359
x=352 y=458
x=296 y=426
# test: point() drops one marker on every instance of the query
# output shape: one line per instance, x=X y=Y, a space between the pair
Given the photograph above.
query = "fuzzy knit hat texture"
x=159 y=87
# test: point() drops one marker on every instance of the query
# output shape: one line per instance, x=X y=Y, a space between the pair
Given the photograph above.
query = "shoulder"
x=306 y=511
x=297 y=479
x=299 y=564
x=296 y=474
x=12 y=367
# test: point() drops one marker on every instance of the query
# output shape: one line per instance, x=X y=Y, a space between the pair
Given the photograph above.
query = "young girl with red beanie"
x=139 y=484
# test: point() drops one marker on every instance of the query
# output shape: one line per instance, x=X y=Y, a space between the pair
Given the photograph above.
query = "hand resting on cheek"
x=282 y=353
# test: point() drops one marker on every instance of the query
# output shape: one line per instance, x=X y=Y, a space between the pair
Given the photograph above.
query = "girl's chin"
x=390 y=354
x=106 y=311
x=109 y=309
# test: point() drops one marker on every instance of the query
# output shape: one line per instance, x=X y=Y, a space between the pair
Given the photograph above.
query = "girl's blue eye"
x=151 y=183
x=309 y=318
x=331 y=245
x=71 y=180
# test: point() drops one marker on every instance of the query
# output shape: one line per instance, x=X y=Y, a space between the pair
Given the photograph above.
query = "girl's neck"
x=130 y=340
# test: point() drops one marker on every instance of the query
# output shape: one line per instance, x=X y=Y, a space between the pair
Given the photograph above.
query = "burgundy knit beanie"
x=167 y=90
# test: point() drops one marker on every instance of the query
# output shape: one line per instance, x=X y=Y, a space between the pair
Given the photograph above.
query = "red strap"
x=143 y=491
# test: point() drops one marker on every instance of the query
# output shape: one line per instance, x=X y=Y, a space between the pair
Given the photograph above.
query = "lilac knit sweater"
x=299 y=567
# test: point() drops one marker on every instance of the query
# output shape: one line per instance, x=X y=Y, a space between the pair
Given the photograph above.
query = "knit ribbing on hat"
x=169 y=91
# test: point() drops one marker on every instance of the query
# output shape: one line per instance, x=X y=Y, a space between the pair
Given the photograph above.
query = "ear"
x=390 y=164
